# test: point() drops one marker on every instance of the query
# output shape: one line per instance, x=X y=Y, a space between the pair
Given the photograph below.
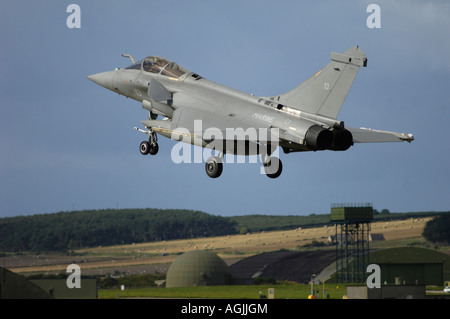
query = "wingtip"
x=407 y=137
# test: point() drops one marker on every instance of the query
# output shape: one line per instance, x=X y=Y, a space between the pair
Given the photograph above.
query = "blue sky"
x=68 y=144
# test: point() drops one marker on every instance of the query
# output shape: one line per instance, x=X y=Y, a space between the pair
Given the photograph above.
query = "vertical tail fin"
x=325 y=92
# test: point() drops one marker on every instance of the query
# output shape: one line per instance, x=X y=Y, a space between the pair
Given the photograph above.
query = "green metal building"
x=15 y=286
x=412 y=266
x=351 y=212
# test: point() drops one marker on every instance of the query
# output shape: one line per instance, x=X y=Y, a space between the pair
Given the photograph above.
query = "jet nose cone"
x=104 y=79
x=92 y=77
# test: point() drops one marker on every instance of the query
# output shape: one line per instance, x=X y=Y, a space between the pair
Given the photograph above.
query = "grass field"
x=282 y=291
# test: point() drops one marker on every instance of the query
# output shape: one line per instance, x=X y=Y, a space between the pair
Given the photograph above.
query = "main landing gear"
x=214 y=166
x=273 y=167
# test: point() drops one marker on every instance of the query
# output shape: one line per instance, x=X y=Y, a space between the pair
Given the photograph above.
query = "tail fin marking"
x=325 y=92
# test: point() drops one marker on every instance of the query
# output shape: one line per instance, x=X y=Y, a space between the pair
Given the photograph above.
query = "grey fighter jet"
x=187 y=107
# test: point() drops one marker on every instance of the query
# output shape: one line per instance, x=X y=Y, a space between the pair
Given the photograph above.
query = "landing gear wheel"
x=214 y=167
x=153 y=149
x=273 y=168
x=144 y=148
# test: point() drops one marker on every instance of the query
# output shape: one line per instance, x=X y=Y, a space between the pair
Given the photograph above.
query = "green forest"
x=66 y=231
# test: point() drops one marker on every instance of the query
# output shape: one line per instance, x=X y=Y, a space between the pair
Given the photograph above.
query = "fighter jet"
x=186 y=107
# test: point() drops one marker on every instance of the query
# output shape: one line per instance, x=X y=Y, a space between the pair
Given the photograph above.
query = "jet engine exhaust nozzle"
x=317 y=138
x=343 y=139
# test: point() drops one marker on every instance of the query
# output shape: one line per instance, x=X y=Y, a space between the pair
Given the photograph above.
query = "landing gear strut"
x=273 y=167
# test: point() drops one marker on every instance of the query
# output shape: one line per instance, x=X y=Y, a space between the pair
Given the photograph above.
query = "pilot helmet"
x=148 y=62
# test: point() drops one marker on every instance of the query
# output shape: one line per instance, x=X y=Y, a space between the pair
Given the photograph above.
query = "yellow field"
x=227 y=247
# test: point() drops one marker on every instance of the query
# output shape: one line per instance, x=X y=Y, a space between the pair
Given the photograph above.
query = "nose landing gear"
x=151 y=147
x=148 y=148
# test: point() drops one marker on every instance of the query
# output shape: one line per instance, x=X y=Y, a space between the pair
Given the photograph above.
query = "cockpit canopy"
x=158 y=65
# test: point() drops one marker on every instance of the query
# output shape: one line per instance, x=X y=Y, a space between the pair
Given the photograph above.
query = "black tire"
x=154 y=148
x=274 y=168
x=214 y=167
x=144 y=148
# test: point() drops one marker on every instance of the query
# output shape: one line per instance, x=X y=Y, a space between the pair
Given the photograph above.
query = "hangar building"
x=412 y=266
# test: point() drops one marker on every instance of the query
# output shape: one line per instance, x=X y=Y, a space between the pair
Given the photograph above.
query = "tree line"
x=65 y=231
x=437 y=230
